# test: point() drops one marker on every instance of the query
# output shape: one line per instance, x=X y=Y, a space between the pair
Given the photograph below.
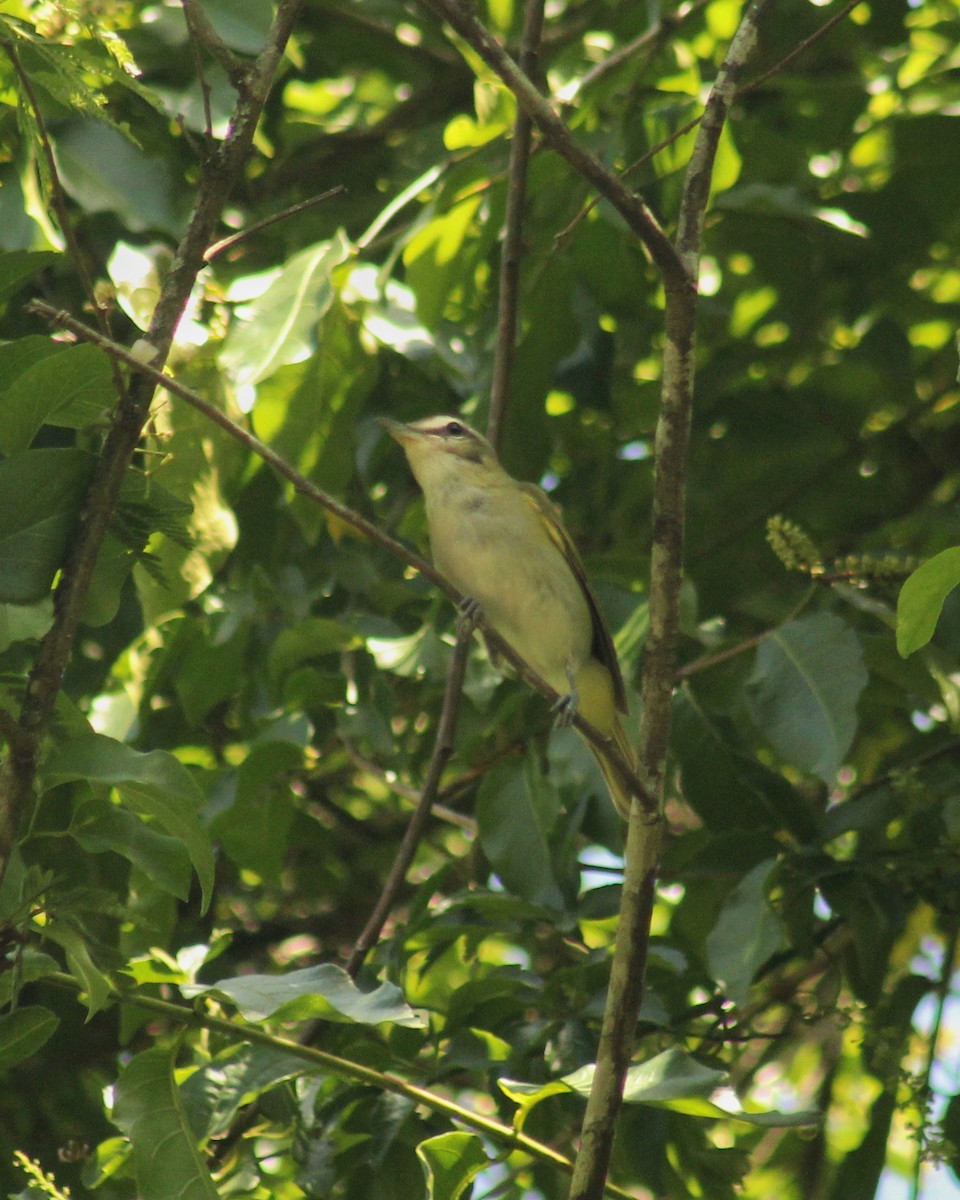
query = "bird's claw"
x=566 y=709
x=469 y=614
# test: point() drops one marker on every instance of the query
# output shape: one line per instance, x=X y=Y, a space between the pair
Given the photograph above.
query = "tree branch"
x=442 y=749
x=19 y=772
x=555 y=133
x=625 y=992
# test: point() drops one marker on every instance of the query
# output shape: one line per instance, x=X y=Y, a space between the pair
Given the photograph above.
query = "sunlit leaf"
x=451 y=1161
x=921 y=599
x=314 y=993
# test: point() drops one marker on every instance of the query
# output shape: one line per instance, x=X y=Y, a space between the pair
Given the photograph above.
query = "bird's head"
x=442 y=448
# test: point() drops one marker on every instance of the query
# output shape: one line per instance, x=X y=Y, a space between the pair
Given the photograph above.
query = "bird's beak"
x=398 y=431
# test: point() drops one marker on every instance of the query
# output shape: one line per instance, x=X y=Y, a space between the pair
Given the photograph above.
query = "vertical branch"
x=511 y=254
x=672 y=438
x=18 y=775
x=442 y=749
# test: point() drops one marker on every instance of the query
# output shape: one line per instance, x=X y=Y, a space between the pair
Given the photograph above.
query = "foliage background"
x=272 y=682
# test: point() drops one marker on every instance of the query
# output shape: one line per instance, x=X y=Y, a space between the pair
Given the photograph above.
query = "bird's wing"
x=602 y=647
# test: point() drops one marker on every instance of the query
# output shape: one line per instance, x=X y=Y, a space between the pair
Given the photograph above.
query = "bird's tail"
x=620 y=793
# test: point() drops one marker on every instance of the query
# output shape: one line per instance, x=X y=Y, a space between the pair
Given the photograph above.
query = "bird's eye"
x=454 y=429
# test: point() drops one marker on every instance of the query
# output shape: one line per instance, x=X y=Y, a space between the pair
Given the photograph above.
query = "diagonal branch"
x=18 y=776
x=555 y=133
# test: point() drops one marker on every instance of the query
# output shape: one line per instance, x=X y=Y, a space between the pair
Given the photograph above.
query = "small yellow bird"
x=502 y=543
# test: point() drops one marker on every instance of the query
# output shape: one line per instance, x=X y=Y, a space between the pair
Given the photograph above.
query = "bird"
x=501 y=542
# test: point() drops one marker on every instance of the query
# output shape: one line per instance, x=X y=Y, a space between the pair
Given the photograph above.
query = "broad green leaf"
x=672 y=1080
x=149 y=1111
x=309 y=639
x=324 y=993
x=81 y=966
x=23 y=1032
x=213 y=1095
x=101 y=826
x=747 y=932
x=280 y=327
x=24 y=622
x=41 y=493
x=154 y=784
x=451 y=1161
x=724 y=781
x=244 y=25
x=513 y=824
x=803 y=691
x=921 y=599
x=104 y=172
x=73 y=389
x=254 y=830
x=19 y=266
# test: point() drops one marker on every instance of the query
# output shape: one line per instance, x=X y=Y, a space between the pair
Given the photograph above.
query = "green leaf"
x=100 y=826
x=309 y=639
x=104 y=172
x=747 y=932
x=23 y=1032
x=325 y=993
x=512 y=821
x=213 y=1095
x=155 y=784
x=17 y=267
x=280 y=327
x=803 y=691
x=24 y=622
x=254 y=830
x=73 y=389
x=149 y=1111
x=451 y=1161
x=673 y=1080
x=81 y=966
x=921 y=599
x=41 y=493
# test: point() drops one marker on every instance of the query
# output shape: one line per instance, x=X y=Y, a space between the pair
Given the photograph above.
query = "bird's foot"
x=469 y=614
x=566 y=709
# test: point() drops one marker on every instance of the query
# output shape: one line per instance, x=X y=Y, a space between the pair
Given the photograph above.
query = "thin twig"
x=18 y=775
x=511 y=254
x=666 y=26
x=442 y=750
x=564 y=235
x=630 y=206
x=800 y=48
x=625 y=992
x=228 y=243
x=442 y=811
x=203 y=34
x=348 y=515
